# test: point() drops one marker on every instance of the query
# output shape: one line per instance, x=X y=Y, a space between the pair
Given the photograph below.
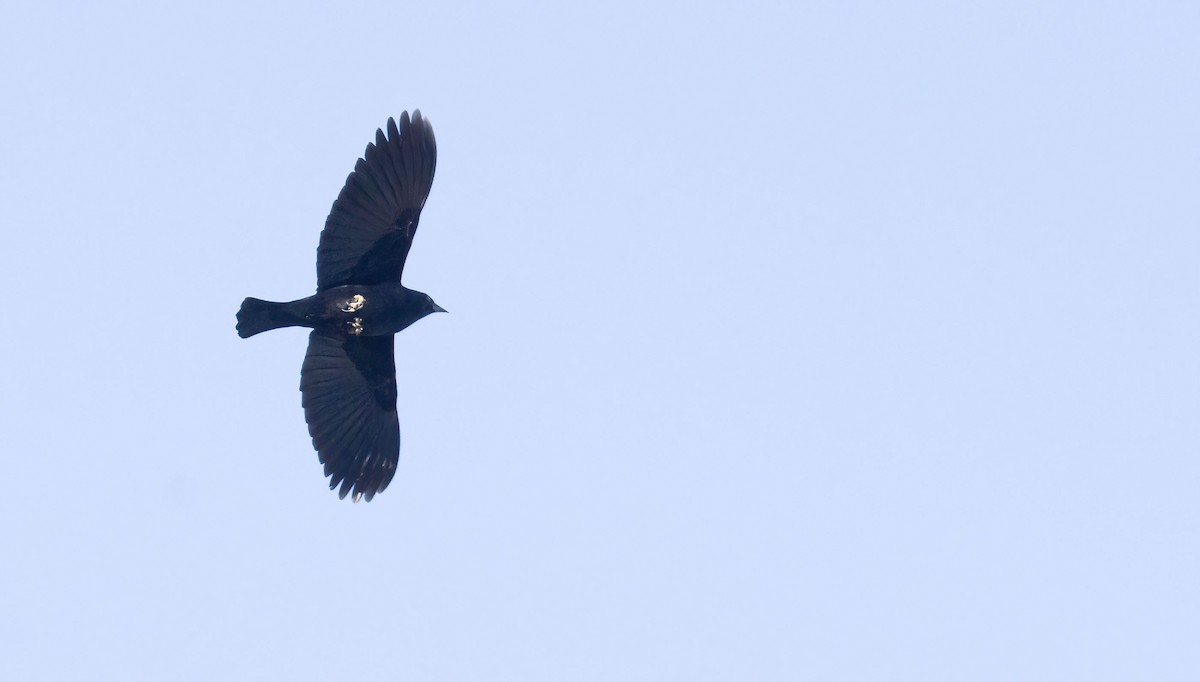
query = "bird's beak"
x=438 y=309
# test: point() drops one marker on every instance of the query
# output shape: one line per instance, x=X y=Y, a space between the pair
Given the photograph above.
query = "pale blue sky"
x=788 y=341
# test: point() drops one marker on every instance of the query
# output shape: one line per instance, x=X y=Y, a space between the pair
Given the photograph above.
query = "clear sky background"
x=787 y=341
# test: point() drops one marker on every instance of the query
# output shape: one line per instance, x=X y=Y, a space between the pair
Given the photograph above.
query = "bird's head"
x=431 y=307
x=421 y=304
x=412 y=306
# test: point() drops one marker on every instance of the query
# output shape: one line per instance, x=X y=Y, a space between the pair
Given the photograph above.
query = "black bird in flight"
x=348 y=380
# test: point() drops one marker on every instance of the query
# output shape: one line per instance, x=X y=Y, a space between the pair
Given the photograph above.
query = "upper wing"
x=371 y=225
x=349 y=394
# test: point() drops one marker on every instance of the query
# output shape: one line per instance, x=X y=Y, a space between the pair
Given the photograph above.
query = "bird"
x=348 y=378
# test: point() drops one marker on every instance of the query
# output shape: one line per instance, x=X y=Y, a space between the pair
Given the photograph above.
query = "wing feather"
x=348 y=388
x=370 y=228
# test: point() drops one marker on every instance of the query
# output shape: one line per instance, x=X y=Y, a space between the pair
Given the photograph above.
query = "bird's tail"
x=257 y=315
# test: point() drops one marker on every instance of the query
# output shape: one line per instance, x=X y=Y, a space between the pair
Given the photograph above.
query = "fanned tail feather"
x=257 y=316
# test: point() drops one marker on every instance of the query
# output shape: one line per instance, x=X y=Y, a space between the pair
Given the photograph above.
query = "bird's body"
x=348 y=310
x=348 y=379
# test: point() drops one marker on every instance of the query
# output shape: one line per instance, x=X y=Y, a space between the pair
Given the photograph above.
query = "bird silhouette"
x=348 y=379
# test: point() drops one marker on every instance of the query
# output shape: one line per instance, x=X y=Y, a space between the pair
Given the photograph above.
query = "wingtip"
x=395 y=127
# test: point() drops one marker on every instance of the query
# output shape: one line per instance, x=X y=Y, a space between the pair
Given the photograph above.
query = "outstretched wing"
x=370 y=228
x=348 y=387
